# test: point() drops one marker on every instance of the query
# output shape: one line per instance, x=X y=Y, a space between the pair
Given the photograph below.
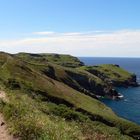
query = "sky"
x=107 y=28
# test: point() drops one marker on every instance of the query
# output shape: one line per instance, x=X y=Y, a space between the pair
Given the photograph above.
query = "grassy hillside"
x=112 y=74
x=63 y=60
x=92 y=80
x=43 y=104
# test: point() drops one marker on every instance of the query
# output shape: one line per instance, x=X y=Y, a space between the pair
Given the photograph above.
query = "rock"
x=116 y=65
x=2 y=123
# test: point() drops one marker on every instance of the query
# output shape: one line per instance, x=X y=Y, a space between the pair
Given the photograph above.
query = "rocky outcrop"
x=113 y=76
x=94 y=81
x=132 y=81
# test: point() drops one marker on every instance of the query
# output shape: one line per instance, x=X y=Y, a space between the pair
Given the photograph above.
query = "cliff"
x=92 y=80
x=46 y=96
x=113 y=75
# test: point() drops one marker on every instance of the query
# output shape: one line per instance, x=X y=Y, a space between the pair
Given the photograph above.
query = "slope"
x=17 y=75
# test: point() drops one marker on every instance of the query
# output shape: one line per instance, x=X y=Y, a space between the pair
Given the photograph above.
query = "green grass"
x=30 y=118
x=28 y=122
x=109 y=71
x=82 y=81
x=63 y=60
x=35 y=96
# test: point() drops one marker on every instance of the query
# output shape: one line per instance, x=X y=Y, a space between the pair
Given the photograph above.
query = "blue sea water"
x=129 y=107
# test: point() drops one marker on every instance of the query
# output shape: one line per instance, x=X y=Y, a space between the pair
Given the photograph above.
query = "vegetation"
x=63 y=60
x=30 y=118
x=112 y=73
x=47 y=102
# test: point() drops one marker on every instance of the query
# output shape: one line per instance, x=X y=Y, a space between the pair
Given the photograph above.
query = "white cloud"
x=124 y=43
x=43 y=33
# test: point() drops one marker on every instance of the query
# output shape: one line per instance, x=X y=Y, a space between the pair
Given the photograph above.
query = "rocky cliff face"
x=94 y=81
x=132 y=81
x=113 y=76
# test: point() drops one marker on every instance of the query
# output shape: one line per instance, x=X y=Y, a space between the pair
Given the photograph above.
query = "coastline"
x=129 y=106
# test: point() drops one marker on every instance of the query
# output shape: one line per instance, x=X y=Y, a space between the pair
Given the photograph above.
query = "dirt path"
x=4 y=135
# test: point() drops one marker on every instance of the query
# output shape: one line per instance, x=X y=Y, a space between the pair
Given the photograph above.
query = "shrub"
x=67 y=113
x=13 y=84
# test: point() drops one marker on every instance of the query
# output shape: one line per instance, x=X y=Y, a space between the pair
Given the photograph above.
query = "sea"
x=129 y=107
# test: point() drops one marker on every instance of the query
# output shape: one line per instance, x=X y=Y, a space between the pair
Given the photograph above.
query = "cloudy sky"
x=108 y=28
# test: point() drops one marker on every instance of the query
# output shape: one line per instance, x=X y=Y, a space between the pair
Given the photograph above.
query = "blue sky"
x=63 y=25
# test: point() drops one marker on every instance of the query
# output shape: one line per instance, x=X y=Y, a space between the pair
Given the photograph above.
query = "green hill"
x=53 y=99
x=63 y=60
x=112 y=74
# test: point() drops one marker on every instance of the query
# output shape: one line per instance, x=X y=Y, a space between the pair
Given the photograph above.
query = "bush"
x=67 y=113
x=13 y=84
